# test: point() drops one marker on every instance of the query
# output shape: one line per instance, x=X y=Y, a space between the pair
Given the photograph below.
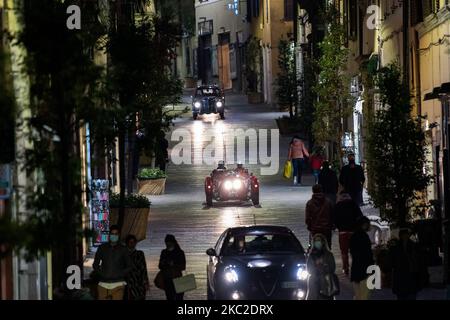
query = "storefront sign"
x=100 y=210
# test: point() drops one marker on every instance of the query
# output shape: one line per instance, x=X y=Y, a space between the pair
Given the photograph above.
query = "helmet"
x=221 y=164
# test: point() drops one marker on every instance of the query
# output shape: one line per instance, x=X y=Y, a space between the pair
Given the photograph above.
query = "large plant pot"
x=135 y=222
x=189 y=83
x=255 y=97
x=152 y=186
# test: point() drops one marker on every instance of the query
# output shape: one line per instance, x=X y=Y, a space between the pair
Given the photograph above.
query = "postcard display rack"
x=100 y=210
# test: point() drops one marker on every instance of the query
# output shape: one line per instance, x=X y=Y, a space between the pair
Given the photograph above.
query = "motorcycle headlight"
x=219 y=104
x=231 y=275
x=302 y=273
x=237 y=184
x=197 y=104
x=228 y=185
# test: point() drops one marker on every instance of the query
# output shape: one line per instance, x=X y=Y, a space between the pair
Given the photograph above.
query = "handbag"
x=329 y=285
x=287 y=169
x=185 y=283
x=159 y=281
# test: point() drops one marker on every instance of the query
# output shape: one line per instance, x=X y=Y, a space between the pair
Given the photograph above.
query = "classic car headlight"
x=197 y=104
x=237 y=184
x=228 y=185
x=219 y=104
x=230 y=275
x=302 y=273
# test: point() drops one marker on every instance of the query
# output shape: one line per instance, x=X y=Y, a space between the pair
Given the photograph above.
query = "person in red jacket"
x=316 y=162
x=319 y=214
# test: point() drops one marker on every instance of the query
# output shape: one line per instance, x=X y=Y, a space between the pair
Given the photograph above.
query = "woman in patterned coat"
x=137 y=281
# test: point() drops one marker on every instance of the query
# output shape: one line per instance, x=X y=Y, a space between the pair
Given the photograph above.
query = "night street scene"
x=232 y=150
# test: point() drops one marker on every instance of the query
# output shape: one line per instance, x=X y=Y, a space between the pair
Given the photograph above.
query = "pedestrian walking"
x=352 y=179
x=362 y=257
x=346 y=216
x=321 y=266
x=316 y=162
x=297 y=154
x=162 y=155
x=319 y=214
x=112 y=264
x=172 y=263
x=137 y=280
x=409 y=271
x=329 y=181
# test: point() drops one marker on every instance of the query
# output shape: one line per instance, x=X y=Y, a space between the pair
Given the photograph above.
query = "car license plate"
x=290 y=285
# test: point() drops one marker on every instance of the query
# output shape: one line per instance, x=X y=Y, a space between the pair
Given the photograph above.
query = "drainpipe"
x=406 y=43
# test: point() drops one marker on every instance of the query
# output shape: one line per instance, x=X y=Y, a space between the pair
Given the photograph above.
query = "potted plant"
x=137 y=210
x=151 y=181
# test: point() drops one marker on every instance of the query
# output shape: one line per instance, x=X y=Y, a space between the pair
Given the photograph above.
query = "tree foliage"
x=334 y=101
x=396 y=154
x=287 y=82
x=252 y=64
x=63 y=85
x=68 y=90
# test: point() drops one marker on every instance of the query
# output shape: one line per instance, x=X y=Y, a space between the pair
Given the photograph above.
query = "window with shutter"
x=353 y=18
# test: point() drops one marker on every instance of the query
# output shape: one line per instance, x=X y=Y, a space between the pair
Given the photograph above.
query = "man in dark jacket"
x=362 y=257
x=319 y=214
x=352 y=179
x=329 y=181
x=112 y=264
x=346 y=215
x=409 y=272
x=162 y=155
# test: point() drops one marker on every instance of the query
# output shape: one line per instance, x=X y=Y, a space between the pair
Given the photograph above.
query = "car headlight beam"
x=237 y=184
x=197 y=105
x=231 y=275
x=219 y=104
x=302 y=273
x=228 y=185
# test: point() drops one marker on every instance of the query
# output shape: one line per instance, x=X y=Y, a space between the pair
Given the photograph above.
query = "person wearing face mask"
x=172 y=262
x=137 y=281
x=362 y=257
x=319 y=213
x=112 y=264
x=320 y=264
x=352 y=179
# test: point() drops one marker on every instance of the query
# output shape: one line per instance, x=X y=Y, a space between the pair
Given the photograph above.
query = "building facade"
x=222 y=31
x=270 y=22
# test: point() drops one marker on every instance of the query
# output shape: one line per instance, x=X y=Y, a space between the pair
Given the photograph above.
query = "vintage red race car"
x=236 y=184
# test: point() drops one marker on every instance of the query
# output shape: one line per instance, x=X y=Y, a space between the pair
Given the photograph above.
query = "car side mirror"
x=211 y=252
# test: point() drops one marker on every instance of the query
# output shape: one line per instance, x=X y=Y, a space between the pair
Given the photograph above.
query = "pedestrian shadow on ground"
x=230 y=204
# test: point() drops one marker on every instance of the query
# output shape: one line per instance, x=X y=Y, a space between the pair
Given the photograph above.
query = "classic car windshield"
x=207 y=92
x=248 y=244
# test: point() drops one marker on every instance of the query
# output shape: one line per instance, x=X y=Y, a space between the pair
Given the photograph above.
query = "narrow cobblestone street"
x=181 y=211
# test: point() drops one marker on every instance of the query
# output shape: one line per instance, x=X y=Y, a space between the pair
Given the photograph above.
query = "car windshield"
x=207 y=92
x=273 y=243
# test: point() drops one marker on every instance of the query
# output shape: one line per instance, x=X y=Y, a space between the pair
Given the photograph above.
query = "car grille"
x=208 y=105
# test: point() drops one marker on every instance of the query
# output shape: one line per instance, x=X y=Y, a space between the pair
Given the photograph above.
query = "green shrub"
x=131 y=201
x=149 y=173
